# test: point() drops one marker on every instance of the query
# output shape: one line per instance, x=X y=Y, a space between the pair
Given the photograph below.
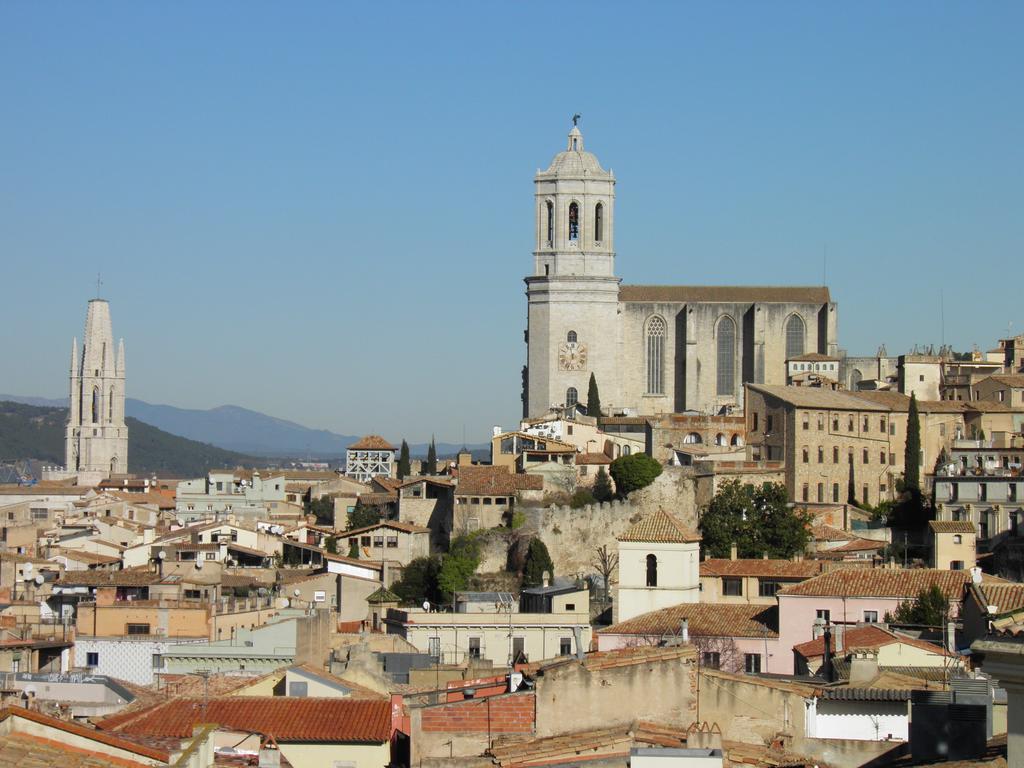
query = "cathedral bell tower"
x=573 y=293
x=96 y=442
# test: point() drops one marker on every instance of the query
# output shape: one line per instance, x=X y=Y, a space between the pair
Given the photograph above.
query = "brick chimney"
x=733 y=551
x=863 y=665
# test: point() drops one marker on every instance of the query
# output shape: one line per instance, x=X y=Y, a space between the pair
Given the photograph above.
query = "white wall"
x=130 y=660
x=859 y=720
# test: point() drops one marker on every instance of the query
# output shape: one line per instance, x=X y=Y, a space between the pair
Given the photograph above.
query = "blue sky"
x=324 y=211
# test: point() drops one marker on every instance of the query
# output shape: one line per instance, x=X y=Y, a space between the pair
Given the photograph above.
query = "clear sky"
x=324 y=210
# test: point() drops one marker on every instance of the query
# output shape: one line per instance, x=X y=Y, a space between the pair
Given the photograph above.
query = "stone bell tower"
x=96 y=443
x=573 y=294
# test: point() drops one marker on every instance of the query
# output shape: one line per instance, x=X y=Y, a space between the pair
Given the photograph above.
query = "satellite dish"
x=28 y=567
x=199 y=565
x=426 y=605
x=161 y=554
x=296 y=592
x=39 y=579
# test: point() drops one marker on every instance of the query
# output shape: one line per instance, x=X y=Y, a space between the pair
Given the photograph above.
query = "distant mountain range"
x=36 y=432
x=238 y=429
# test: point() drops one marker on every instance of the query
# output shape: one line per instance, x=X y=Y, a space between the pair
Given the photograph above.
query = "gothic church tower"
x=96 y=444
x=573 y=294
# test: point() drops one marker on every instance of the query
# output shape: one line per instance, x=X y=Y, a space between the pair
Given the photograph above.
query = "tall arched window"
x=652 y=571
x=551 y=222
x=571 y=337
x=113 y=466
x=655 y=356
x=726 y=363
x=855 y=379
x=110 y=407
x=795 y=334
x=571 y=396
x=95 y=405
x=598 y=223
x=574 y=221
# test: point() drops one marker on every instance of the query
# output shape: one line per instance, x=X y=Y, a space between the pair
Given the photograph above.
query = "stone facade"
x=652 y=349
x=96 y=438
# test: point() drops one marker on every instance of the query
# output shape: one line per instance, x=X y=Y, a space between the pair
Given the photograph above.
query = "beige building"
x=658 y=566
x=652 y=349
x=953 y=544
x=485 y=496
x=751 y=580
x=390 y=540
x=920 y=375
x=671 y=436
x=548 y=622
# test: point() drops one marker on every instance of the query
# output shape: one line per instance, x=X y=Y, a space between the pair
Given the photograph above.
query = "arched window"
x=571 y=396
x=693 y=438
x=655 y=355
x=737 y=441
x=110 y=407
x=551 y=222
x=855 y=379
x=598 y=223
x=720 y=439
x=626 y=450
x=726 y=356
x=95 y=405
x=795 y=333
x=652 y=571
x=571 y=337
x=113 y=466
x=574 y=221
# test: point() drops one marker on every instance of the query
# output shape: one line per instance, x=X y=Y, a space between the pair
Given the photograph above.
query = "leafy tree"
x=331 y=544
x=912 y=450
x=603 y=486
x=593 y=398
x=930 y=607
x=430 y=465
x=605 y=562
x=419 y=581
x=537 y=561
x=458 y=565
x=633 y=472
x=403 y=461
x=363 y=516
x=323 y=508
x=757 y=519
x=353 y=549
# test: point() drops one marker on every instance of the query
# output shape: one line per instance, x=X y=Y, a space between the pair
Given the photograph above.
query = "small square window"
x=871 y=617
x=732 y=586
x=92 y=659
x=565 y=646
x=957 y=538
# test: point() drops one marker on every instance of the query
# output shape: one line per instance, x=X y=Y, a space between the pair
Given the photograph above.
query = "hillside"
x=37 y=432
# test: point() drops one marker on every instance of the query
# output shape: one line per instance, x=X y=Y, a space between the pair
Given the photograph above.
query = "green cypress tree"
x=430 y=466
x=912 y=451
x=603 y=486
x=538 y=560
x=593 y=398
x=403 y=461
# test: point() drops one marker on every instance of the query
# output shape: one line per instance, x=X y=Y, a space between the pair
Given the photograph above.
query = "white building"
x=225 y=493
x=659 y=566
x=369 y=457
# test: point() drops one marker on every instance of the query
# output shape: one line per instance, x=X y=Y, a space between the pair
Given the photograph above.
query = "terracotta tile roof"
x=822 y=399
x=23 y=749
x=885 y=582
x=783 y=569
x=585 y=459
x=377 y=499
x=854 y=545
x=614 y=741
x=704 y=620
x=356 y=691
x=111 y=740
x=1005 y=597
x=371 y=443
x=159 y=500
x=952 y=526
x=283 y=717
x=131 y=577
x=830 y=533
x=1009 y=379
x=394 y=524
x=383 y=595
x=866 y=637
x=628 y=657
x=494 y=481
x=387 y=483
x=662 y=528
x=84 y=557
x=730 y=294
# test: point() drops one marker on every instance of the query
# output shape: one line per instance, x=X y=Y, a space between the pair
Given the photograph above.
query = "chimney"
x=764 y=555
x=951 y=637
x=863 y=665
x=827 y=670
x=733 y=551
x=546 y=580
x=817 y=628
x=684 y=630
x=270 y=755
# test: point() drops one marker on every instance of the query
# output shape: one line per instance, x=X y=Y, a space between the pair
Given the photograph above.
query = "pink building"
x=733 y=637
x=856 y=595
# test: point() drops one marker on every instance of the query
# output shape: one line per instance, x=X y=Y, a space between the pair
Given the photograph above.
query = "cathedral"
x=652 y=349
x=96 y=439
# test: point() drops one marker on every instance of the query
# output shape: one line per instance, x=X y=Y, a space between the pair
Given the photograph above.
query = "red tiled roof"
x=371 y=443
x=784 y=569
x=1005 y=597
x=952 y=526
x=110 y=740
x=855 y=545
x=885 y=582
x=830 y=533
x=283 y=717
x=704 y=620
x=660 y=527
x=866 y=637
x=494 y=481
x=24 y=749
x=395 y=524
x=592 y=458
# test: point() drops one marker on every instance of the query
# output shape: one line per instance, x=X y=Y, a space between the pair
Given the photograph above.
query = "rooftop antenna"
x=824 y=264
x=99 y=282
x=942 y=316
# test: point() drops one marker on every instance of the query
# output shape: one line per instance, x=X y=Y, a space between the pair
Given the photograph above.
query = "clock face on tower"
x=572 y=356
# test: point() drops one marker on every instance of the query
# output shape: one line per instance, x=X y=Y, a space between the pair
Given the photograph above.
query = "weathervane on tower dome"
x=576 y=119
